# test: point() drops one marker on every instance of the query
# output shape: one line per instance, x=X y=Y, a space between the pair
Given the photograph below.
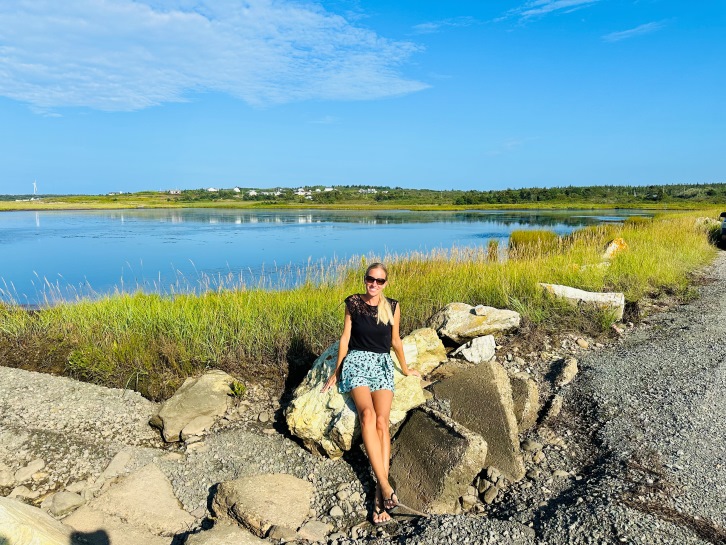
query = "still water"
x=48 y=256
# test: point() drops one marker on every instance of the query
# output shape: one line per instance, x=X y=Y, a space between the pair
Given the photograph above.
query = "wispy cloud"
x=535 y=8
x=326 y=120
x=432 y=27
x=122 y=55
x=509 y=145
x=647 y=28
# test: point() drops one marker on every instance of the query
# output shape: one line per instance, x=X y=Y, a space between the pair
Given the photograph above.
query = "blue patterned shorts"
x=370 y=369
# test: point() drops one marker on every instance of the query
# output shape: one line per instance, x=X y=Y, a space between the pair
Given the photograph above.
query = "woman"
x=365 y=369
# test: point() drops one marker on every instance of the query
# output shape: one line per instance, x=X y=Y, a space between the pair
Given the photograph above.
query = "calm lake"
x=50 y=256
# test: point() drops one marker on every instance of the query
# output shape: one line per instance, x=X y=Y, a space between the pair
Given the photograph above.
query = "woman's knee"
x=383 y=422
x=367 y=416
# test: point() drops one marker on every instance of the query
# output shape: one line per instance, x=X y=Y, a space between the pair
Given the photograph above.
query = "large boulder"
x=328 y=421
x=423 y=350
x=259 y=502
x=461 y=322
x=144 y=500
x=435 y=460
x=611 y=301
x=481 y=400
x=22 y=524
x=207 y=395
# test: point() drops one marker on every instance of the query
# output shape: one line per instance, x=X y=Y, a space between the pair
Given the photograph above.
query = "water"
x=47 y=256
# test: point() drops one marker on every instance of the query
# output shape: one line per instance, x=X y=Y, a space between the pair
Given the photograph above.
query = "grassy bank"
x=151 y=343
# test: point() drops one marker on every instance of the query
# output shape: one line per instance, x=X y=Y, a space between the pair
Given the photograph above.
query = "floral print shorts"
x=370 y=369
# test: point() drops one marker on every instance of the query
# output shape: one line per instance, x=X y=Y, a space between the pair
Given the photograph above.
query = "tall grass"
x=152 y=342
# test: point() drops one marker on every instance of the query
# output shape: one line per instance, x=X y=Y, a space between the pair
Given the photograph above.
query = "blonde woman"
x=365 y=369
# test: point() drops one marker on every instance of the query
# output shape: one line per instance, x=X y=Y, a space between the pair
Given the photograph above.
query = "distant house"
x=213 y=190
x=236 y=189
x=175 y=192
x=253 y=193
x=370 y=191
x=328 y=189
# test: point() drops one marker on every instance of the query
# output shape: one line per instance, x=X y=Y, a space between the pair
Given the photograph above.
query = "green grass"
x=151 y=342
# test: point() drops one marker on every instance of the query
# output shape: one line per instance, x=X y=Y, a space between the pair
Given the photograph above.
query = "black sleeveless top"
x=366 y=334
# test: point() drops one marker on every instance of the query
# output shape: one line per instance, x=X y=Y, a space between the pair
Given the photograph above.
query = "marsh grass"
x=151 y=342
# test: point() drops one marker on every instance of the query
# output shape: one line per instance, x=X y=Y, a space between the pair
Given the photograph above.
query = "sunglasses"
x=370 y=280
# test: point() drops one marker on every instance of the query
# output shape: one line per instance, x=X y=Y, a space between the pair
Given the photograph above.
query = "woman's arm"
x=342 y=352
x=398 y=345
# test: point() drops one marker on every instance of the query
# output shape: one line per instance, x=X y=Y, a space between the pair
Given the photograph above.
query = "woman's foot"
x=379 y=516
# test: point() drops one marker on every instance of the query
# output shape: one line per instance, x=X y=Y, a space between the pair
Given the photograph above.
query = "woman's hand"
x=413 y=373
x=329 y=383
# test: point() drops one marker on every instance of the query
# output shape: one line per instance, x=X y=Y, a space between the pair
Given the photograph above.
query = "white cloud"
x=436 y=26
x=647 y=28
x=121 y=55
x=536 y=8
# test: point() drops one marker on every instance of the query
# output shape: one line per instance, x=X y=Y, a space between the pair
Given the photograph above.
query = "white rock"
x=461 y=322
x=26 y=473
x=611 y=301
x=477 y=350
x=63 y=503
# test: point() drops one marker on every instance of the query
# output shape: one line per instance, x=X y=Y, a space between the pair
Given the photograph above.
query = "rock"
x=613 y=248
x=336 y=512
x=461 y=322
x=63 y=503
x=197 y=427
x=21 y=524
x=144 y=499
x=207 y=395
x=468 y=501
x=7 y=479
x=582 y=343
x=560 y=474
x=531 y=446
x=481 y=400
x=23 y=492
x=260 y=502
x=525 y=396
x=282 y=533
x=328 y=421
x=423 y=349
x=477 y=350
x=553 y=409
x=533 y=474
x=225 y=534
x=110 y=529
x=315 y=531
x=538 y=457
x=567 y=373
x=490 y=495
x=118 y=464
x=26 y=473
x=434 y=461
x=612 y=302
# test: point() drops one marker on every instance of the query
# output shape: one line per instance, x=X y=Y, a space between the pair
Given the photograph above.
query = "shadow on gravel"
x=650 y=492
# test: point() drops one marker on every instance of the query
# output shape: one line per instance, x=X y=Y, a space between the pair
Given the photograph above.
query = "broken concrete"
x=477 y=350
x=481 y=400
x=525 y=396
x=435 y=460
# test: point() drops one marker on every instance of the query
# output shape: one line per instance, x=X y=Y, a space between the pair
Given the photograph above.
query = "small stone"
x=484 y=485
x=560 y=474
x=173 y=457
x=336 y=512
x=37 y=477
x=493 y=473
x=538 y=457
x=77 y=487
x=528 y=445
x=269 y=431
x=533 y=474
x=582 y=343
x=282 y=533
x=568 y=372
x=314 y=530
x=63 y=503
x=343 y=495
x=263 y=417
x=25 y=473
x=23 y=492
x=468 y=501
x=6 y=479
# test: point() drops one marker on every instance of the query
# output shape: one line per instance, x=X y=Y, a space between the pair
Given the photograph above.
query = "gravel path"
x=640 y=445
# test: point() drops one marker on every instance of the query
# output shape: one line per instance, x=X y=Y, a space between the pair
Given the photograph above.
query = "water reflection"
x=96 y=252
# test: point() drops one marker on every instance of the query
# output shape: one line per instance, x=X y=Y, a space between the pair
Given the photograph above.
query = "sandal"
x=375 y=517
x=389 y=503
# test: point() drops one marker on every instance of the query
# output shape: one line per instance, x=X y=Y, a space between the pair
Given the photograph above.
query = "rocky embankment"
x=625 y=444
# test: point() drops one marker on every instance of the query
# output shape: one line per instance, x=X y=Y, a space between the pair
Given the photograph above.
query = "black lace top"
x=366 y=334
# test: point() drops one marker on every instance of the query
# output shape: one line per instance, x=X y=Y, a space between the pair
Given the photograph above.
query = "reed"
x=151 y=342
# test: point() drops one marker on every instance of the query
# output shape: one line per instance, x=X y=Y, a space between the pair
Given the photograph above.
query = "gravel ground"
x=636 y=455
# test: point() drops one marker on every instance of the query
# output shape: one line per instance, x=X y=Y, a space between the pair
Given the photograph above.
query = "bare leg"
x=382 y=400
x=367 y=414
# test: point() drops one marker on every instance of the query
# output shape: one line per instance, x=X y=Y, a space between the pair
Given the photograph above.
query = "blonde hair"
x=385 y=312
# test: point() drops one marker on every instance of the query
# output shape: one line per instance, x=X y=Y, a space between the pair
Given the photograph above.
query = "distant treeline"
x=609 y=194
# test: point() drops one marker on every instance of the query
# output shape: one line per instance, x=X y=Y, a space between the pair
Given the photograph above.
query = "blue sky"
x=122 y=95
